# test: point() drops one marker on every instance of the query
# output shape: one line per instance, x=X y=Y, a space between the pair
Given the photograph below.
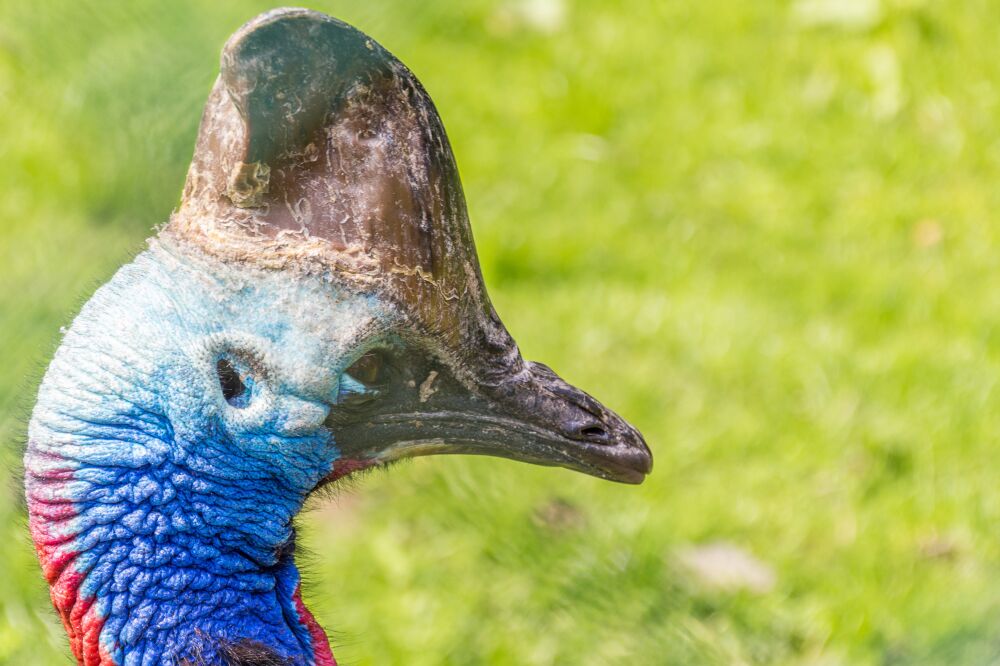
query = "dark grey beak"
x=532 y=416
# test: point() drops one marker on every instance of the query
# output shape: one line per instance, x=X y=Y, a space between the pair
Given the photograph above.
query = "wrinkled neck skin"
x=164 y=530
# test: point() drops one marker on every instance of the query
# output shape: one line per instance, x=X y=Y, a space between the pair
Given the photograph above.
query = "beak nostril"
x=594 y=433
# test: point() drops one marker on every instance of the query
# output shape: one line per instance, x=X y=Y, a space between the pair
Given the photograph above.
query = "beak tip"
x=630 y=461
x=633 y=459
x=631 y=476
x=639 y=465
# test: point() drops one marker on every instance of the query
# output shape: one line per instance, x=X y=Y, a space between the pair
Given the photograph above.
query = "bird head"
x=314 y=307
x=321 y=156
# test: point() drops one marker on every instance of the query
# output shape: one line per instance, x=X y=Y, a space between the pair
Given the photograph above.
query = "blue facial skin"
x=183 y=499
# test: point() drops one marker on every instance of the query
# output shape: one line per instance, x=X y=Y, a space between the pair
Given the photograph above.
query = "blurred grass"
x=763 y=231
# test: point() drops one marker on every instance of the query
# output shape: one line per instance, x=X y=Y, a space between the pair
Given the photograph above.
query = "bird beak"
x=532 y=415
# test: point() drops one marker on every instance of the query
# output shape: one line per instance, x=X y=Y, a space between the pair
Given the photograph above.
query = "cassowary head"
x=313 y=308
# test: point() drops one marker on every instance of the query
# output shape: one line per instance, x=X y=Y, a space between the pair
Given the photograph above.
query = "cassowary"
x=314 y=307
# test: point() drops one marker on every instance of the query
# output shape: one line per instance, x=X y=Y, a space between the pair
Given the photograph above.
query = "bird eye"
x=234 y=389
x=369 y=369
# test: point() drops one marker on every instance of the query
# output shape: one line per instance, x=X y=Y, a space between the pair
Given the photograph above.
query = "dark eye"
x=369 y=369
x=234 y=390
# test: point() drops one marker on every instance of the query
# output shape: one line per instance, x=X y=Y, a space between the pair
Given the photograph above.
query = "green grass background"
x=764 y=231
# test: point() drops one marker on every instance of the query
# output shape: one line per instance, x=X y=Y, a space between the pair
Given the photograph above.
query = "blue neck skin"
x=180 y=535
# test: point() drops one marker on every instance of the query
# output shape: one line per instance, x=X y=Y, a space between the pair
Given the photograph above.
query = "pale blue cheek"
x=295 y=417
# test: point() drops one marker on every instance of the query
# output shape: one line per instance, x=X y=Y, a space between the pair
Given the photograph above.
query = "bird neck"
x=154 y=568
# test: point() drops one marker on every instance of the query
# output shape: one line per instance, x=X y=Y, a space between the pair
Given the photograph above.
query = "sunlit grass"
x=765 y=232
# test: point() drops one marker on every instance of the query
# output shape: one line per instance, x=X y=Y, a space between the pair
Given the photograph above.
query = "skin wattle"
x=162 y=515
